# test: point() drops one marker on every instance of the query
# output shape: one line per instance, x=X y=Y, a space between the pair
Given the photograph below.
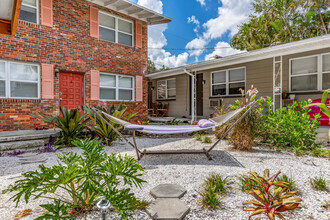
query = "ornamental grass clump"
x=271 y=196
x=214 y=188
x=78 y=182
x=243 y=134
x=318 y=183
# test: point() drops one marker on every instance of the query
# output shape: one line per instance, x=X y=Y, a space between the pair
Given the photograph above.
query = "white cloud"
x=230 y=15
x=195 y=21
x=155 y=5
x=157 y=39
x=197 y=43
x=223 y=49
x=202 y=2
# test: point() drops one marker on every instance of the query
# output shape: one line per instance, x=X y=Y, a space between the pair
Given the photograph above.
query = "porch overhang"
x=134 y=10
x=9 y=15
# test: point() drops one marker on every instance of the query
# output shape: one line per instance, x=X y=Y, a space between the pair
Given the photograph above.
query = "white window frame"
x=227 y=83
x=116 y=30
x=34 y=7
x=117 y=88
x=7 y=80
x=166 y=90
x=319 y=73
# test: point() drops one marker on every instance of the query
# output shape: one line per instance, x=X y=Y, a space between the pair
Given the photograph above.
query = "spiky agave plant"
x=71 y=122
x=271 y=196
x=104 y=132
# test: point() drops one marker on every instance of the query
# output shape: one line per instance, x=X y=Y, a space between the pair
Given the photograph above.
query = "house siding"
x=258 y=73
x=69 y=45
x=180 y=106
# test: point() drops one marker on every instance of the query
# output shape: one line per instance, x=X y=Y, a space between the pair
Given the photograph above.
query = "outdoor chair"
x=176 y=129
x=162 y=112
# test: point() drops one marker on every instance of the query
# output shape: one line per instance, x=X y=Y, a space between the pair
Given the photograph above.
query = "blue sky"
x=196 y=24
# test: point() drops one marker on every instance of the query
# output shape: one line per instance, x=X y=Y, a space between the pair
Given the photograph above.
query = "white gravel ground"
x=189 y=171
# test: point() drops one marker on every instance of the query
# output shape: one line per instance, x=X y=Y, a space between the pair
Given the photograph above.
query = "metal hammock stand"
x=140 y=153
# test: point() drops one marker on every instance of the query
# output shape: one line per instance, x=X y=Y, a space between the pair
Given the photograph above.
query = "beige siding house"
x=301 y=68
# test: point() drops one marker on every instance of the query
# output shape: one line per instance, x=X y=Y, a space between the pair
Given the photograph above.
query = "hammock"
x=175 y=129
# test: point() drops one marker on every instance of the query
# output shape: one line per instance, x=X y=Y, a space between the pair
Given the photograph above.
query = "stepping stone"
x=168 y=191
x=167 y=209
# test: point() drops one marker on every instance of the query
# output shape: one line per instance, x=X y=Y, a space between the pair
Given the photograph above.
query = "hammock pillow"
x=204 y=123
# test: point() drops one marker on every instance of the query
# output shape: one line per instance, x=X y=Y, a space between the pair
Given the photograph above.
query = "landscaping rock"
x=168 y=191
x=167 y=209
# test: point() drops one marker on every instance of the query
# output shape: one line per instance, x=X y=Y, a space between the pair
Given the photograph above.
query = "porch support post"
x=193 y=91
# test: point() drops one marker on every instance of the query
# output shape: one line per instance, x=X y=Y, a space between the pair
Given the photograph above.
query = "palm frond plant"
x=104 y=132
x=71 y=122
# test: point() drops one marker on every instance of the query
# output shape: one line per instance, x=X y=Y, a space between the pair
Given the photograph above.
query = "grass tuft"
x=318 y=183
x=214 y=188
x=291 y=183
x=206 y=139
x=197 y=136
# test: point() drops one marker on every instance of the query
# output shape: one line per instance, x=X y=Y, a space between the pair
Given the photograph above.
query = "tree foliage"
x=274 y=22
x=152 y=68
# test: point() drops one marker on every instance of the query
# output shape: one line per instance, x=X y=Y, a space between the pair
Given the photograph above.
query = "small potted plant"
x=292 y=96
x=284 y=94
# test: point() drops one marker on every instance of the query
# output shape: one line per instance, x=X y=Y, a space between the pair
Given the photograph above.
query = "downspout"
x=192 y=95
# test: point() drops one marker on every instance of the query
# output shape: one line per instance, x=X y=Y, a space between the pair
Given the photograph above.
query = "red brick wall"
x=69 y=45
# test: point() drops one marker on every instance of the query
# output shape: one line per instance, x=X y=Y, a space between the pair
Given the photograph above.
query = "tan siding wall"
x=180 y=106
x=258 y=73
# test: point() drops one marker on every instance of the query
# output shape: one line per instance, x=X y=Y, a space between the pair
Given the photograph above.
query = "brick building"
x=74 y=52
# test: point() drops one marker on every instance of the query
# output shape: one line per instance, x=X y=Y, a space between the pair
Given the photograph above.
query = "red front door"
x=71 y=89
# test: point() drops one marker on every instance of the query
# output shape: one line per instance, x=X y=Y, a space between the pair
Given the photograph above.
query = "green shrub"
x=104 y=132
x=206 y=139
x=197 y=136
x=289 y=128
x=86 y=178
x=71 y=123
x=214 y=187
x=318 y=183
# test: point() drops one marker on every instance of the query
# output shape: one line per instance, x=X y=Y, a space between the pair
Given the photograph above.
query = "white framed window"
x=310 y=73
x=19 y=80
x=325 y=71
x=166 y=89
x=30 y=11
x=115 y=29
x=115 y=87
x=228 y=82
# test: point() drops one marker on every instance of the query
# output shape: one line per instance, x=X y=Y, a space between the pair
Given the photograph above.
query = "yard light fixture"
x=103 y=205
x=56 y=71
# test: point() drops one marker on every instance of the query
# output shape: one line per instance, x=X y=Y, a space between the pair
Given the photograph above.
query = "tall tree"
x=279 y=21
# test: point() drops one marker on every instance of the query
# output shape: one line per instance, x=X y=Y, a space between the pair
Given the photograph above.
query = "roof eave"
x=261 y=54
x=134 y=10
